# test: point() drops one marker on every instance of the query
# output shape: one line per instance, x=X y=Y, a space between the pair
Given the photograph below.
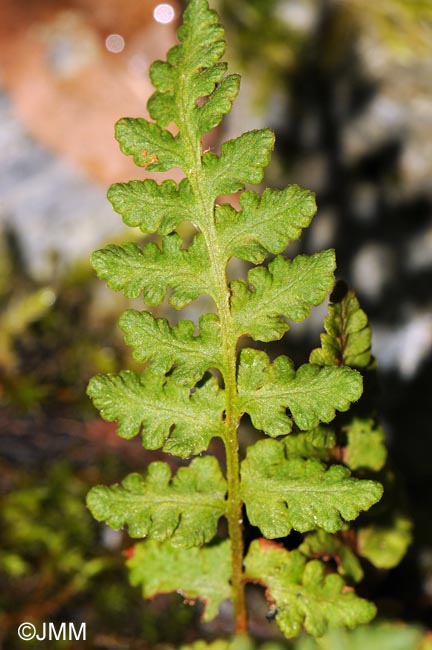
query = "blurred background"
x=347 y=86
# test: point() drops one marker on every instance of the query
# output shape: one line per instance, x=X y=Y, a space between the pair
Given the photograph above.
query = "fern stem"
x=206 y=209
x=234 y=511
x=235 y=526
x=229 y=341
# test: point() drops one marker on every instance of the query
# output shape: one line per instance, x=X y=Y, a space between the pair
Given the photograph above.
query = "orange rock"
x=68 y=89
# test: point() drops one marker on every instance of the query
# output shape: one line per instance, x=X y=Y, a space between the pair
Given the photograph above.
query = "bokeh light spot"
x=115 y=43
x=164 y=13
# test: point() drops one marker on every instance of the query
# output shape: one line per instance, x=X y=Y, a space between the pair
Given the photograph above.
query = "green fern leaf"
x=312 y=394
x=242 y=642
x=348 y=338
x=287 y=289
x=153 y=339
x=242 y=161
x=316 y=443
x=266 y=224
x=281 y=494
x=365 y=447
x=151 y=147
x=167 y=413
x=385 y=541
x=218 y=104
x=184 y=509
x=378 y=636
x=151 y=270
x=195 y=573
x=322 y=545
x=152 y=207
x=177 y=405
x=192 y=72
x=302 y=592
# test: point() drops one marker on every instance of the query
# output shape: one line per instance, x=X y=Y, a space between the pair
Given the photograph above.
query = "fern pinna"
x=289 y=479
